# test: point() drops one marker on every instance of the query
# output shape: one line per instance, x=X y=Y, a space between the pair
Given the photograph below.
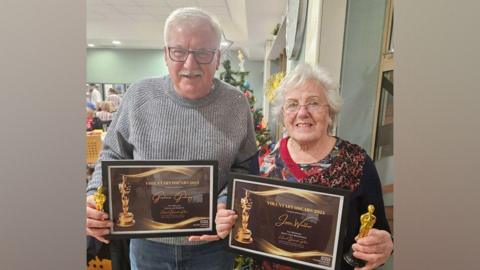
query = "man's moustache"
x=191 y=73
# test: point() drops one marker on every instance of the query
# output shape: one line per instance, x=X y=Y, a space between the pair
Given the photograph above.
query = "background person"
x=105 y=113
x=114 y=98
x=187 y=115
x=93 y=94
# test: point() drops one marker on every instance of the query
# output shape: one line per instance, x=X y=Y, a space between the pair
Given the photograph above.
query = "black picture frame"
x=289 y=223
x=162 y=198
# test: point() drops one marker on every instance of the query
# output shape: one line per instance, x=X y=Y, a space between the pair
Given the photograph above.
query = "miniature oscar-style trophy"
x=99 y=198
x=367 y=221
x=125 y=219
x=244 y=235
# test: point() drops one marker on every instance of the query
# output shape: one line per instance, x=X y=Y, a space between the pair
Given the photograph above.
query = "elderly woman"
x=106 y=111
x=308 y=104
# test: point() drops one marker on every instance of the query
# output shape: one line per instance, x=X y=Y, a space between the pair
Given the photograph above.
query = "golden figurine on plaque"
x=99 y=198
x=125 y=219
x=244 y=235
x=367 y=220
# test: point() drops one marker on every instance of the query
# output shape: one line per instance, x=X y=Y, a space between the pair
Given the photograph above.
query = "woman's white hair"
x=193 y=17
x=302 y=74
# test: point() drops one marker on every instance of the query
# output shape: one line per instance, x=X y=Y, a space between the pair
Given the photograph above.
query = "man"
x=94 y=94
x=187 y=115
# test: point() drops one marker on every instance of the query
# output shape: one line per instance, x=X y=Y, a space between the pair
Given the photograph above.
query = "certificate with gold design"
x=160 y=198
x=290 y=223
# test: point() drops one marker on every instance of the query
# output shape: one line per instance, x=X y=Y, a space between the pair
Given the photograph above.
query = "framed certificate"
x=160 y=198
x=290 y=223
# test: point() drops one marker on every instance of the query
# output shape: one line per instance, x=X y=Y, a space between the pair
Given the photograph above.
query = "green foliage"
x=237 y=79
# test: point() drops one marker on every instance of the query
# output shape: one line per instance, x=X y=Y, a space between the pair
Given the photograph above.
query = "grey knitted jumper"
x=155 y=123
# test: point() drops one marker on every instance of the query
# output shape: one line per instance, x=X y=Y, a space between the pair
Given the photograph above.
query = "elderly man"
x=187 y=115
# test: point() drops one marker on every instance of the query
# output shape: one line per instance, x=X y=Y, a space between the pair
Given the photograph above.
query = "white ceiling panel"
x=211 y=3
x=121 y=2
x=154 y=3
x=139 y=23
x=129 y=9
x=183 y=3
x=164 y=11
x=217 y=10
x=143 y=18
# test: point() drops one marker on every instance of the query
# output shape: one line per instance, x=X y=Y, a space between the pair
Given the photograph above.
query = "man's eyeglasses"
x=181 y=55
x=292 y=106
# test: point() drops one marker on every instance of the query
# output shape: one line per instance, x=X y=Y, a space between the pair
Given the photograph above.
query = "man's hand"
x=224 y=221
x=375 y=248
x=97 y=224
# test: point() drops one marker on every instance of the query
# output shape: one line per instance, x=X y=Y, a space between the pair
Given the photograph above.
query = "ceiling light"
x=116 y=42
x=91 y=45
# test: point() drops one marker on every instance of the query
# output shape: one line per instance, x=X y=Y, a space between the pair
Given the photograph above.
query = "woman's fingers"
x=375 y=248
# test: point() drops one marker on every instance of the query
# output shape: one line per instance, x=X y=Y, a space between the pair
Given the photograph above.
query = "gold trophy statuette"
x=99 y=198
x=244 y=235
x=367 y=221
x=125 y=219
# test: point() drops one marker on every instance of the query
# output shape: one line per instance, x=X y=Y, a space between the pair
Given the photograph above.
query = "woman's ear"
x=329 y=120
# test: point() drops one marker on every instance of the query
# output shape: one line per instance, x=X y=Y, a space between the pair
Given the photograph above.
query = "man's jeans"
x=150 y=255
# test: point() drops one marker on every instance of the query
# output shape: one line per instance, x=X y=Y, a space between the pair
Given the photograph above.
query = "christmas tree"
x=237 y=79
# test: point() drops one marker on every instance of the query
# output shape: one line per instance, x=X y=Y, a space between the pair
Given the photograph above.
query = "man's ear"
x=219 y=55
x=165 y=57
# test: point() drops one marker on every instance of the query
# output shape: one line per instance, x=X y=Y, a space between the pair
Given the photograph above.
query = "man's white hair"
x=193 y=17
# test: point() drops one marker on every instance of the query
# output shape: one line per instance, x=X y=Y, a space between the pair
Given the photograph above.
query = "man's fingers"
x=203 y=238
x=102 y=239
x=98 y=234
x=90 y=201
x=209 y=237
x=223 y=234
x=96 y=214
x=194 y=238
x=93 y=223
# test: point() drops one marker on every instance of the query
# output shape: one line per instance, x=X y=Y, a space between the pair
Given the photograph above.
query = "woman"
x=106 y=111
x=307 y=105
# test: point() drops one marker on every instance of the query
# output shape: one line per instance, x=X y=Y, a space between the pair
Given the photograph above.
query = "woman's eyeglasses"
x=311 y=106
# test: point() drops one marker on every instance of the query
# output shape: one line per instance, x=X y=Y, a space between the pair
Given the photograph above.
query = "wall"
x=360 y=67
x=123 y=65
x=127 y=66
x=331 y=36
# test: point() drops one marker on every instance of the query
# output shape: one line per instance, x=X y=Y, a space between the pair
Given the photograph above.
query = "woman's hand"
x=374 y=249
x=97 y=224
x=224 y=221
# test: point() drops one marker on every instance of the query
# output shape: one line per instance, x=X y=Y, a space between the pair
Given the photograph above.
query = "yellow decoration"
x=96 y=264
x=272 y=85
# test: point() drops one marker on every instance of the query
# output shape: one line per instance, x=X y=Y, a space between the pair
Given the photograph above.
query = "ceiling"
x=138 y=24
